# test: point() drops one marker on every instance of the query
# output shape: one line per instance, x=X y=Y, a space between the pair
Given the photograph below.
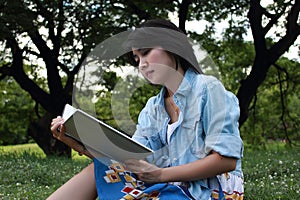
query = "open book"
x=100 y=137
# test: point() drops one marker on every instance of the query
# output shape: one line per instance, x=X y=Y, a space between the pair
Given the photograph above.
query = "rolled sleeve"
x=221 y=115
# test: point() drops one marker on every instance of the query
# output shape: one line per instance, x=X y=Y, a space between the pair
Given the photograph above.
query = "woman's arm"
x=60 y=135
x=209 y=166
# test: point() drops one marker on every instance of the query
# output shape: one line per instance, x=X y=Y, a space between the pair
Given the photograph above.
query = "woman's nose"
x=142 y=64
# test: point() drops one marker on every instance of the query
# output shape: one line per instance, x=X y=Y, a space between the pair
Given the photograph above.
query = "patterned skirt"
x=113 y=183
x=231 y=185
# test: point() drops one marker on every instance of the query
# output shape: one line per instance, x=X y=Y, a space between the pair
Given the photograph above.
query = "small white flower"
x=270 y=177
x=280 y=162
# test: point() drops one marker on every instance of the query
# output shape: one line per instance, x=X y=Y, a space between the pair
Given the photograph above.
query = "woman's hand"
x=58 y=132
x=58 y=129
x=145 y=171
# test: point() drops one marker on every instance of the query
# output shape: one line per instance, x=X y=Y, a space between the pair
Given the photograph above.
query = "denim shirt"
x=208 y=120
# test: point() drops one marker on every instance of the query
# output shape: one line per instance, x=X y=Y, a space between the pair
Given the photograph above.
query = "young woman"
x=192 y=126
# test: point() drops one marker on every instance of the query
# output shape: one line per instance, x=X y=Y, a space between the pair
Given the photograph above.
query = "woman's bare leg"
x=82 y=187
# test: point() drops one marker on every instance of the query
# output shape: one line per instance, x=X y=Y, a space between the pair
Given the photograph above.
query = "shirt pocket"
x=193 y=133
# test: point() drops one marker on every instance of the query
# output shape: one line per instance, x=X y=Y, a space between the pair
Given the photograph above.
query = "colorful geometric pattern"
x=233 y=196
x=235 y=192
x=133 y=189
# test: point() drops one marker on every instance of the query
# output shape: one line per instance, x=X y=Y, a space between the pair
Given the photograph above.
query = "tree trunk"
x=40 y=132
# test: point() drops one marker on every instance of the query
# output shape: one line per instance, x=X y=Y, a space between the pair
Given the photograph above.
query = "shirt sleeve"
x=220 y=121
x=147 y=130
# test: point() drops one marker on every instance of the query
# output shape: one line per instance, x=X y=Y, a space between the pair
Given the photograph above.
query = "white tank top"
x=170 y=130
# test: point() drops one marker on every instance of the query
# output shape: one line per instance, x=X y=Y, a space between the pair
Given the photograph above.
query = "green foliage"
x=121 y=102
x=275 y=113
x=234 y=60
x=140 y=97
x=17 y=110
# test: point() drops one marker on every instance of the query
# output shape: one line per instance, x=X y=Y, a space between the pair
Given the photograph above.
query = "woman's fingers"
x=57 y=128
x=139 y=166
x=132 y=165
x=57 y=120
x=145 y=171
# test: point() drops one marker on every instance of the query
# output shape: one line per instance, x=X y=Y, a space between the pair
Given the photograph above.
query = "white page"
x=68 y=112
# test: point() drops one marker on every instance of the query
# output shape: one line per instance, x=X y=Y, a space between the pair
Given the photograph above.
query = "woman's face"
x=155 y=64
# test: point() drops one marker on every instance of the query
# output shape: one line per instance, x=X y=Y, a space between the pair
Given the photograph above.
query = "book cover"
x=101 y=137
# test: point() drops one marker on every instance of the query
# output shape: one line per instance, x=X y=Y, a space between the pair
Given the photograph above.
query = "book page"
x=68 y=112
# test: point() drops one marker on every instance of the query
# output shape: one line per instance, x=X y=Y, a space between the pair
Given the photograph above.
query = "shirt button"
x=165 y=157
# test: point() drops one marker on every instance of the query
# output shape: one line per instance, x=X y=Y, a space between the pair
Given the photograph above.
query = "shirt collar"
x=184 y=87
x=187 y=82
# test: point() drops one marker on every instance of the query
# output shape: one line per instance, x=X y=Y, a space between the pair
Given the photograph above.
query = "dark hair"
x=160 y=32
x=160 y=23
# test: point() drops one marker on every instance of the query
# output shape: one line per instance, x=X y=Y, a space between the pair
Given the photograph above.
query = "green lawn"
x=27 y=174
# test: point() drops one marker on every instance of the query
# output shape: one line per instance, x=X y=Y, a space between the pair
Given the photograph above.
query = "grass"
x=272 y=173
x=26 y=173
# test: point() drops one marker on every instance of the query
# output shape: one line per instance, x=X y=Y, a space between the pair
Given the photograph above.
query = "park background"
x=43 y=43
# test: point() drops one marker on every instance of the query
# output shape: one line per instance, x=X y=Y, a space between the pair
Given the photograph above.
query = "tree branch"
x=273 y=19
x=182 y=13
x=5 y=70
x=283 y=107
x=27 y=50
x=60 y=28
x=292 y=32
x=134 y=9
x=255 y=18
x=17 y=71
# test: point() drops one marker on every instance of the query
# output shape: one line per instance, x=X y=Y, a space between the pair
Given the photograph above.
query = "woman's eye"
x=144 y=51
x=141 y=53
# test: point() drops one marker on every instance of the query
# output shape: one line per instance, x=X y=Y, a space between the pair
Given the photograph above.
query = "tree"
x=275 y=115
x=59 y=35
x=275 y=27
x=281 y=16
x=267 y=54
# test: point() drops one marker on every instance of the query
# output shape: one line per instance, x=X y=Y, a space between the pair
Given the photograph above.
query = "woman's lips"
x=148 y=73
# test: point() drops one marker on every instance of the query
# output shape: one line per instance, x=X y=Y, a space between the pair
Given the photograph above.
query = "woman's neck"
x=174 y=82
